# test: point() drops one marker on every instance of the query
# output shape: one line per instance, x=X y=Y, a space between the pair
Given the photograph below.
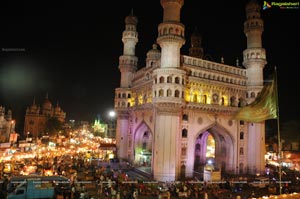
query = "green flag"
x=264 y=106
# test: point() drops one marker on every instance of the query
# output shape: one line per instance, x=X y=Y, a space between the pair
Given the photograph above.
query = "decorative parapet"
x=205 y=64
x=212 y=108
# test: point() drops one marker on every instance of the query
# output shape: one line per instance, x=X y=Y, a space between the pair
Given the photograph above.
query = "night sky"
x=70 y=50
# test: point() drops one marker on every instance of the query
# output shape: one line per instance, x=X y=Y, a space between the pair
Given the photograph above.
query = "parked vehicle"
x=35 y=187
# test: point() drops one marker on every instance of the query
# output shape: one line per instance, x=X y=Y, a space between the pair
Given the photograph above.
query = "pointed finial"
x=222 y=60
x=237 y=61
x=131 y=13
x=154 y=46
x=131 y=19
x=196 y=32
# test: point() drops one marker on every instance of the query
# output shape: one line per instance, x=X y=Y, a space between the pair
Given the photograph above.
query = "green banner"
x=264 y=107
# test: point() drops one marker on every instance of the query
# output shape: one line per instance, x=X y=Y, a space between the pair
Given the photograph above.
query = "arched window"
x=161 y=80
x=241 y=151
x=223 y=101
x=241 y=135
x=177 y=93
x=165 y=31
x=169 y=93
x=146 y=135
x=123 y=95
x=128 y=96
x=252 y=94
x=184 y=133
x=169 y=79
x=232 y=101
x=204 y=101
x=195 y=98
x=161 y=93
x=177 y=80
x=171 y=30
x=215 y=98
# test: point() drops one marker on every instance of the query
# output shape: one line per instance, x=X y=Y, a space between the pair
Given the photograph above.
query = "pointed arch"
x=143 y=145
x=224 y=147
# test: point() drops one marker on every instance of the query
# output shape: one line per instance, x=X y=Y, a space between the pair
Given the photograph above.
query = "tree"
x=53 y=126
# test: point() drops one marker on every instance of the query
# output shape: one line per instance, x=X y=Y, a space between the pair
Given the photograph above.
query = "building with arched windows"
x=174 y=116
x=36 y=117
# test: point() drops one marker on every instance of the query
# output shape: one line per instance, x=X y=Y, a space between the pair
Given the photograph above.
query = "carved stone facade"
x=7 y=125
x=36 y=117
x=169 y=110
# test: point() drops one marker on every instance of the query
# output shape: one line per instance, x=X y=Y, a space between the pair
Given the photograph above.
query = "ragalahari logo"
x=266 y=5
x=281 y=5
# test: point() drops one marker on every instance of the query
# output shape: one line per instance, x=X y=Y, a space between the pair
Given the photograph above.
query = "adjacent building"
x=7 y=125
x=37 y=116
x=174 y=115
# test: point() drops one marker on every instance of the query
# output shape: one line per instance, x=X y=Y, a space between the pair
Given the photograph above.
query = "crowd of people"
x=93 y=179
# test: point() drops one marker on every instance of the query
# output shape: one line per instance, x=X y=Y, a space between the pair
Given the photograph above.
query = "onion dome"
x=154 y=53
x=33 y=106
x=253 y=6
x=131 y=19
x=57 y=108
x=196 y=38
x=47 y=104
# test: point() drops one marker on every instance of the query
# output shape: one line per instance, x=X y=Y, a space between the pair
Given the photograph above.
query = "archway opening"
x=213 y=151
x=143 y=148
x=210 y=149
x=205 y=151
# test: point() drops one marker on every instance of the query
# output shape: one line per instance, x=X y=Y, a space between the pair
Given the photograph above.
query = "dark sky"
x=70 y=49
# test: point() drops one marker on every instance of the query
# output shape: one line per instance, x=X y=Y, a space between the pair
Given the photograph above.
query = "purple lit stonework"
x=174 y=115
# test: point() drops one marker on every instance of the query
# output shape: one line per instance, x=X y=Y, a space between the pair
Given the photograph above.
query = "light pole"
x=10 y=138
x=27 y=135
x=112 y=115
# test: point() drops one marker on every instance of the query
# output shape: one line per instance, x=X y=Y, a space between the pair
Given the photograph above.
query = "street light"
x=112 y=115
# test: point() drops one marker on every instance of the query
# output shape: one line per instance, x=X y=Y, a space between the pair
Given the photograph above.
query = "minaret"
x=168 y=94
x=254 y=61
x=171 y=33
x=254 y=55
x=127 y=65
x=196 y=49
x=128 y=61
